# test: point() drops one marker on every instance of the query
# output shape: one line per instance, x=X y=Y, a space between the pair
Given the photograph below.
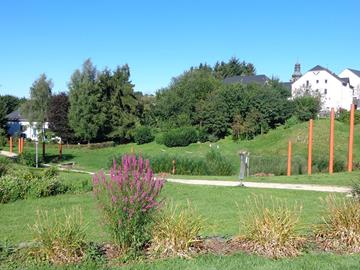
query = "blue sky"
x=161 y=39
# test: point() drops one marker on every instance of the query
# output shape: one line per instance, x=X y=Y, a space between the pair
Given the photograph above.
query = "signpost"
x=244 y=166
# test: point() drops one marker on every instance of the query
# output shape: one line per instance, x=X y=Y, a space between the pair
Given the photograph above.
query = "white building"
x=335 y=91
x=19 y=126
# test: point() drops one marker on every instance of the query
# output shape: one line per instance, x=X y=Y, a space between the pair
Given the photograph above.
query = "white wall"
x=354 y=81
x=25 y=128
x=334 y=94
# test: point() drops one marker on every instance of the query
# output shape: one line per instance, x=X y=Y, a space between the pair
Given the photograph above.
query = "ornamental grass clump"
x=128 y=200
x=176 y=231
x=340 y=229
x=59 y=239
x=271 y=229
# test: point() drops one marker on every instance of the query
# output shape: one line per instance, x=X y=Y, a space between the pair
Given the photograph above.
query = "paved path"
x=8 y=154
x=308 y=187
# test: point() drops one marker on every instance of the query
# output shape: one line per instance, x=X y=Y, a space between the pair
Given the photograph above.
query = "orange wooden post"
x=310 y=146
x=19 y=146
x=331 y=150
x=60 y=151
x=174 y=166
x=351 y=138
x=289 y=160
x=22 y=145
x=11 y=144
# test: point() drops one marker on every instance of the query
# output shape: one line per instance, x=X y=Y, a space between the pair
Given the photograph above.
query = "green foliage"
x=271 y=228
x=180 y=137
x=340 y=228
x=214 y=163
x=306 y=107
x=177 y=105
x=4 y=166
x=27 y=159
x=355 y=189
x=22 y=184
x=37 y=107
x=60 y=238
x=102 y=105
x=3 y=138
x=143 y=135
x=10 y=103
x=203 y=135
x=58 y=117
x=234 y=67
x=175 y=231
x=344 y=116
x=292 y=121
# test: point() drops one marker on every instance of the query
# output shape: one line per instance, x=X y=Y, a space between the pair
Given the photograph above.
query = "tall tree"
x=233 y=67
x=85 y=114
x=58 y=117
x=11 y=103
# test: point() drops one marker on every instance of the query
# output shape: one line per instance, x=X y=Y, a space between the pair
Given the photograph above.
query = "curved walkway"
x=308 y=187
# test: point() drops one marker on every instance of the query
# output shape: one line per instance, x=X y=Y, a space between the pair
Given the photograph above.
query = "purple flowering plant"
x=128 y=200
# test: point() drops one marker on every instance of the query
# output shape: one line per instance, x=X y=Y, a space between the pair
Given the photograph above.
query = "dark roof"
x=318 y=68
x=260 y=79
x=356 y=72
x=15 y=116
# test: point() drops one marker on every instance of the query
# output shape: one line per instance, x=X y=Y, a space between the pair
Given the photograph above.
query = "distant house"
x=259 y=79
x=19 y=126
x=336 y=91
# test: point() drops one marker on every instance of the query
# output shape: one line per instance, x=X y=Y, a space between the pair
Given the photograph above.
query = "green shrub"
x=143 y=135
x=12 y=188
x=175 y=231
x=45 y=187
x=321 y=164
x=344 y=116
x=203 y=136
x=340 y=229
x=292 y=121
x=180 y=137
x=21 y=184
x=355 y=190
x=60 y=239
x=4 y=166
x=27 y=159
x=218 y=164
x=213 y=164
x=213 y=138
x=3 y=137
x=160 y=138
x=271 y=228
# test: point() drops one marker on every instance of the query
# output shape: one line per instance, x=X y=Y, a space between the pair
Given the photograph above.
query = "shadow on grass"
x=55 y=158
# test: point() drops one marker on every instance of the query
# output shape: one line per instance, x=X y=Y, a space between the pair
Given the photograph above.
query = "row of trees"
x=102 y=105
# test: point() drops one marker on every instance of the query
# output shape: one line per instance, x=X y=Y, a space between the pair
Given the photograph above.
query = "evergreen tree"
x=85 y=114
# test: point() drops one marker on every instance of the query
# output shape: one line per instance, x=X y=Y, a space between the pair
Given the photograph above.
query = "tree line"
x=103 y=105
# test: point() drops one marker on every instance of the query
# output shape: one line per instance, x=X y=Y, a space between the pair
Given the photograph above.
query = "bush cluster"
x=26 y=184
x=214 y=163
x=180 y=137
x=143 y=135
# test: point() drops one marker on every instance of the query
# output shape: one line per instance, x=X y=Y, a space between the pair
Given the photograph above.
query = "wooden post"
x=289 y=160
x=60 y=150
x=331 y=150
x=11 y=144
x=19 y=146
x=174 y=166
x=43 y=151
x=351 y=138
x=310 y=138
x=22 y=144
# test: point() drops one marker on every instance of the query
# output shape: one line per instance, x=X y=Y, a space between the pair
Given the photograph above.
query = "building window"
x=317 y=81
x=325 y=81
x=325 y=91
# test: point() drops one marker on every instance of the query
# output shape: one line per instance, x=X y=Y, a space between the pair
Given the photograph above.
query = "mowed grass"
x=272 y=144
x=222 y=207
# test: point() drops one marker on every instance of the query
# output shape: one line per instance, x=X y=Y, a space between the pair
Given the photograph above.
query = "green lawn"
x=216 y=204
